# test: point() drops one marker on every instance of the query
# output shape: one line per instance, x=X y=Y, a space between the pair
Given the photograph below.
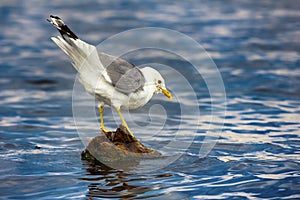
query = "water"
x=255 y=45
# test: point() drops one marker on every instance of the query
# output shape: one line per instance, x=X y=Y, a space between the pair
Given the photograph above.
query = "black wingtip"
x=55 y=17
x=62 y=27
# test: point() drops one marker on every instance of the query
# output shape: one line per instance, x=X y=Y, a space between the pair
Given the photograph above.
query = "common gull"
x=113 y=81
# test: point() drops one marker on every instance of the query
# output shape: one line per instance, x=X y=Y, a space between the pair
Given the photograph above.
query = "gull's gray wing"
x=124 y=76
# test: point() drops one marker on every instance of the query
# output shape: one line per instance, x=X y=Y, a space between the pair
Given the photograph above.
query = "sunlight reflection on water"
x=255 y=46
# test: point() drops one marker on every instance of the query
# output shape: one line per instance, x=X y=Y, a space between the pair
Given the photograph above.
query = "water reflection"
x=106 y=182
x=255 y=44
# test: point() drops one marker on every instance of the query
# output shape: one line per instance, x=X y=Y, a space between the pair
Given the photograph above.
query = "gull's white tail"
x=84 y=56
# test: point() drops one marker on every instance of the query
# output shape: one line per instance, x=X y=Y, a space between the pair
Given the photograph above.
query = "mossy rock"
x=116 y=148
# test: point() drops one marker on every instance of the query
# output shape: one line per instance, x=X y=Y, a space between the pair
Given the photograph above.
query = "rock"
x=116 y=148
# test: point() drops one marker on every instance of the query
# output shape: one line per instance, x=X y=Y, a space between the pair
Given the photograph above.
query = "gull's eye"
x=159 y=81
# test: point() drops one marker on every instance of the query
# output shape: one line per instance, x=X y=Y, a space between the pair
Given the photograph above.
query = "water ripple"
x=255 y=46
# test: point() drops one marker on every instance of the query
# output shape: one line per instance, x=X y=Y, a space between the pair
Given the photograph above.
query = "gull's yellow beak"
x=167 y=93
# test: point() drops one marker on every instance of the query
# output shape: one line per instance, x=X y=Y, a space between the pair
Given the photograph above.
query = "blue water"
x=255 y=45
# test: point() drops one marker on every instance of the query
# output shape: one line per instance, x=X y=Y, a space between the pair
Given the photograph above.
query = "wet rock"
x=117 y=148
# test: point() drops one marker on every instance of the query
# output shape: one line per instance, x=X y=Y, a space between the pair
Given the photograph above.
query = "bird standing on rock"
x=113 y=81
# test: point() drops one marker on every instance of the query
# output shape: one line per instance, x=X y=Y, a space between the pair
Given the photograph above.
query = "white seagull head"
x=155 y=79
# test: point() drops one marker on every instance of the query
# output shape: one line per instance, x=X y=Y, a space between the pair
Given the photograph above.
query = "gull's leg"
x=101 y=110
x=123 y=121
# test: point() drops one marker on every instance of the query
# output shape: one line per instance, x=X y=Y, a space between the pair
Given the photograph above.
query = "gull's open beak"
x=167 y=93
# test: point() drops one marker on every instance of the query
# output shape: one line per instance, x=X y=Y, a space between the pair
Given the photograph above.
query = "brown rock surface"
x=117 y=148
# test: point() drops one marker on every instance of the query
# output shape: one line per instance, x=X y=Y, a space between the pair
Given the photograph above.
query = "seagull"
x=111 y=80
